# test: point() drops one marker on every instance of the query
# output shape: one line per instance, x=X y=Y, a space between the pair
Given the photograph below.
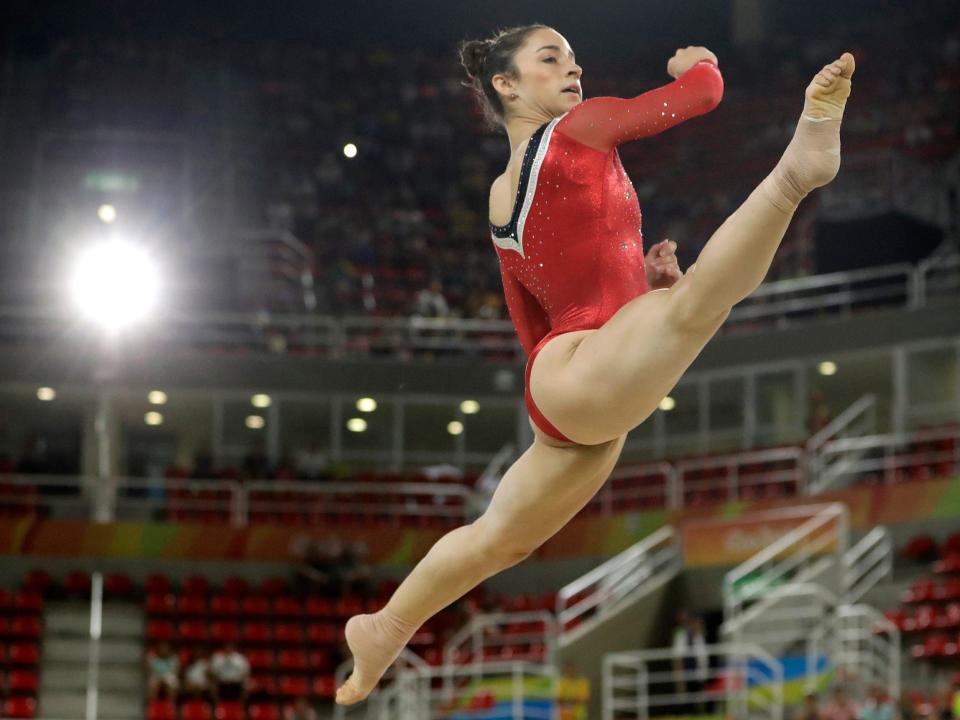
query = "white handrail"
x=96 y=629
x=867 y=563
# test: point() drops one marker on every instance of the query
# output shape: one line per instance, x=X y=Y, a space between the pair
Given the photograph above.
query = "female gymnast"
x=610 y=330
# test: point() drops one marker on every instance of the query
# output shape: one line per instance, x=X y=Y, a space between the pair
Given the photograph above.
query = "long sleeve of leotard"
x=528 y=317
x=605 y=122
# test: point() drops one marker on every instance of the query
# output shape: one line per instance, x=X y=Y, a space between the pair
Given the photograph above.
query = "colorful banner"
x=728 y=541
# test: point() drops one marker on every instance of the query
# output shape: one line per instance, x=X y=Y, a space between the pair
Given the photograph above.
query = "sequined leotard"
x=572 y=253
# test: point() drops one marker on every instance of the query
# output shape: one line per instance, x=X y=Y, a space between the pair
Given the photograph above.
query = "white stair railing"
x=385 y=696
x=790 y=559
x=866 y=647
x=857 y=420
x=746 y=678
x=866 y=564
x=639 y=569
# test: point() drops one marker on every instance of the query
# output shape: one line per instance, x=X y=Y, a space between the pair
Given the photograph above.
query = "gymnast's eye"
x=550 y=59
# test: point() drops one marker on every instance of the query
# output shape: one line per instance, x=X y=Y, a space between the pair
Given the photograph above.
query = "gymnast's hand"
x=686 y=58
x=661 y=265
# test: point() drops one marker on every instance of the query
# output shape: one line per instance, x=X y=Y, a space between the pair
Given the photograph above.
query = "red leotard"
x=572 y=254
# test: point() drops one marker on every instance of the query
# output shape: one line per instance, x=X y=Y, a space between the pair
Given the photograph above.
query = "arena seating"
x=21 y=630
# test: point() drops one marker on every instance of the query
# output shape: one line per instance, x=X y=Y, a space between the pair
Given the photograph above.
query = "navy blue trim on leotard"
x=510 y=229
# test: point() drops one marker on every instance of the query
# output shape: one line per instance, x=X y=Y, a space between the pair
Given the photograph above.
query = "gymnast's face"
x=547 y=69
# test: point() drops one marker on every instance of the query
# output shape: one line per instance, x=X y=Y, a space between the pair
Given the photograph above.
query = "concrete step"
x=58 y=676
x=72 y=706
x=119 y=620
x=61 y=649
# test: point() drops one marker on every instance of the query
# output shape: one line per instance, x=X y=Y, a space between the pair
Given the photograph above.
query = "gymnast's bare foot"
x=812 y=159
x=375 y=641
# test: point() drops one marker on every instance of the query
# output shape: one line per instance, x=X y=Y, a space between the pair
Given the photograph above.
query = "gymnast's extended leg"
x=594 y=385
x=537 y=496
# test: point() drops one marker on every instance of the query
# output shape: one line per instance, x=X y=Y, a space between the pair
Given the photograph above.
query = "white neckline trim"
x=510 y=243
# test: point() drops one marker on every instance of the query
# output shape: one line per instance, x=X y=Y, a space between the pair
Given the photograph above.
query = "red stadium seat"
x=23 y=682
x=262 y=685
x=255 y=606
x=230 y=710
x=162 y=710
x=293 y=686
x=195 y=710
x=319 y=607
x=27 y=627
x=20 y=708
x=292 y=661
x=158 y=584
x=224 y=606
x=192 y=632
x=118 y=584
x=77 y=583
x=160 y=630
x=236 y=586
x=223 y=632
x=288 y=607
x=321 y=661
x=191 y=605
x=24 y=655
x=37 y=581
x=161 y=604
x=288 y=633
x=274 y=586
x=256 y=633
x=263 y=711
x=4 y=627
x=195 y=585
x=28 y=601
x=921 y=548
x=321 y=634
x=348 y=606
x=260 y=660
x=6 y=602
x=324 y=686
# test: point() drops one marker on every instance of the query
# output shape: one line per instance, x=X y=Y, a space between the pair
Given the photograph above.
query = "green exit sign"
x=105 y=181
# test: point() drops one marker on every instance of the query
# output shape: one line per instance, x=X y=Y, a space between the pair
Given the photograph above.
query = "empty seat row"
x=223 y=605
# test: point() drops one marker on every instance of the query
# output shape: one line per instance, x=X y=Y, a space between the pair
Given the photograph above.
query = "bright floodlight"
x=46 y=394
x=107 y=213
x=157 y=397
x=827 y=367
x=454 y=427
x=350 y=150
x=366 y=404
x=357 y=425
x=115 y=284
x=254 y=422
x=668 y=403
x=153 y=418
x=469 y=407
x=260 y=400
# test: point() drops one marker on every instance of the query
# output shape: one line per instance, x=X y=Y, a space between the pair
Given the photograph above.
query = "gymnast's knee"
x=688 y=311
x=500 y=546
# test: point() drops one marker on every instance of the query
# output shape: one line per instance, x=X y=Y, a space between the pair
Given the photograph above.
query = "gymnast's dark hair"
x=494 y=56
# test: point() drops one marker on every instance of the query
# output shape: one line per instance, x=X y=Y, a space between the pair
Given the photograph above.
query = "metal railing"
x=745 y=679
x=488 y=636
x=864 y=646
x=790 y=559
x=637 y=570
x=866 y=564
x=889 y=458
x=857 y=420
x=731 y=477
x=772 y=304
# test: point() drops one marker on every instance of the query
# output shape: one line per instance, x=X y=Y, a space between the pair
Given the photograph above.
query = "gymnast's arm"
x=605 y=122
x=528 y=317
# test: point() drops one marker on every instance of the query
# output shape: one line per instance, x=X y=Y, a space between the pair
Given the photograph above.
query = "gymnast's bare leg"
x=596 y=385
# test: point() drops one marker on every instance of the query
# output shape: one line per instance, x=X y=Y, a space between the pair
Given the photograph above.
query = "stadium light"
x=455 y=427
x=254 y=422
x=350 y=150
x=667 y=404
x=357 y=425
x=469 y=407
x=115 y=284
x=46 y=394
x=827 y=367
x=366 y=404
x=107 y=213
x=153 y=418
x=261 y=400
x=157 y=397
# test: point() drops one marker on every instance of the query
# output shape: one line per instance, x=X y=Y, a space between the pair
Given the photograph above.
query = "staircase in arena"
x=67 y=648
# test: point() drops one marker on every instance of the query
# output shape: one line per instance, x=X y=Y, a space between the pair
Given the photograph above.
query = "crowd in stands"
x=401 y=228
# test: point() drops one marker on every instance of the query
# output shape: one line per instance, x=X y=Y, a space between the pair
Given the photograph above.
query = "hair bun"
x=474 y=53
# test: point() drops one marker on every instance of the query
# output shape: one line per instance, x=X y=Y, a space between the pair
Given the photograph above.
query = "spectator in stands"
x=809 y=709
x=163 y=667
x=840 y=707
x=320 y=567
x=878 y=706
x=431 y=302
x=196 y=679
x=355 y=571
x=230 y=670
x=300 y=710
x=691 y=661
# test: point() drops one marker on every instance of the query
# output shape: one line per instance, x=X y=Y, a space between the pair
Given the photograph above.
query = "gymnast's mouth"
x=572 y=88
